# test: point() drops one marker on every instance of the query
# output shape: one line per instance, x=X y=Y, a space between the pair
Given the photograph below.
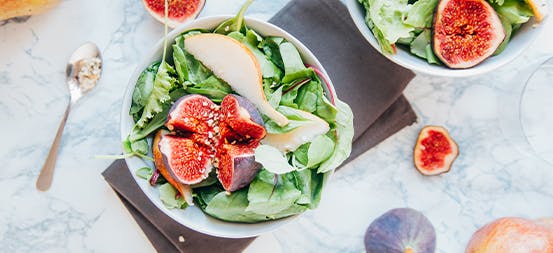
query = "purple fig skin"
x=398 y=230
x=255 y=116
x=245 y=169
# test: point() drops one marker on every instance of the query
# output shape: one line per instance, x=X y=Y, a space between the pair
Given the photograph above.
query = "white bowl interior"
x=520 y=41
x=193 y=217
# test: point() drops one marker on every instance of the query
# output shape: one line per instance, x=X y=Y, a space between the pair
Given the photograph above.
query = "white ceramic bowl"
x=519 y=42
x=193 y=217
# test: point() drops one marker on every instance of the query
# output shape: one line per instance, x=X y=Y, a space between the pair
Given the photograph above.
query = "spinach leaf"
x=212 y=87
x=232 y=207
x=310 y=183
x=344 y=132
x=188 y=68
x=271 y=48
x=311 y=98
x=270 y=193
x=167 y=194
x=145 y=173
x=295 y=120
x=142 y=90
x=293 y=64
x=515 y=11
x=272 y=159
x=319 y=150
x=251 y=40
x=235 y=24
x=508 y=28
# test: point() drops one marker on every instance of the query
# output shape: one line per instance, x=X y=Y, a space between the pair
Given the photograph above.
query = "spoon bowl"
x=82 y=72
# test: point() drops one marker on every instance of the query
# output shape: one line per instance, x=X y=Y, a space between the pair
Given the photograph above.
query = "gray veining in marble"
x=494 y=176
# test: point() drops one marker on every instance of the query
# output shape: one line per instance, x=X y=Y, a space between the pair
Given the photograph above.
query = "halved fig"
x=435 y=151
x=236 y=166
x=160 y=164
x=179 y=11
x=186 y=161
x=402 y=230
x=241 y=120
x=465 y=32
x=192 y=113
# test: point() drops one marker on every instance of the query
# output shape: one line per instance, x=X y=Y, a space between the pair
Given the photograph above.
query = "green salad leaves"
x=290 y=182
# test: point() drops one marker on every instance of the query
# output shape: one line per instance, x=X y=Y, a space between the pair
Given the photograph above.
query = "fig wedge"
x=435 y=151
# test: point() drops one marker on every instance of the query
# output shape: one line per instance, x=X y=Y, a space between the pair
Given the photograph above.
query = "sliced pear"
x=292 y=140
x=233 y=62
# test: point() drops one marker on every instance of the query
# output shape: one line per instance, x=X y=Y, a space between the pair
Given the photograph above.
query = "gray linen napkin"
x=364 y=79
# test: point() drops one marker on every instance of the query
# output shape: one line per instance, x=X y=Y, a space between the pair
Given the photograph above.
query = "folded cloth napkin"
x=367 y=81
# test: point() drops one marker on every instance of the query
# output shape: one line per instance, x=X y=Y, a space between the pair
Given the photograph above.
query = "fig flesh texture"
x=236 y=166
x=435 y=151
x=510 y=235
x=160 y=164
x=204 y=135
x=401 y=230
x=241 y=121
x=235 y=63
x=179 y=11
x=465 y=32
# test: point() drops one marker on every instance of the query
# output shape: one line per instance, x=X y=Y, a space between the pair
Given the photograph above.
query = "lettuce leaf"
x=421 y=13
x=344 y=129
x=515 y=11
x=387 y=16
x=163 y=83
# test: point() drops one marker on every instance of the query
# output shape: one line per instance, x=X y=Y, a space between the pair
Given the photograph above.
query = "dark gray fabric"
x=161 y=230
x=362 y=77
x=367 y=81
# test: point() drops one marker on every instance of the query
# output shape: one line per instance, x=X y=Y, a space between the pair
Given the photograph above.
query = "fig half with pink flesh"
x=435 y=151
x=192 y=113
x=465 y=32
x=187 y=161
x=179 y=11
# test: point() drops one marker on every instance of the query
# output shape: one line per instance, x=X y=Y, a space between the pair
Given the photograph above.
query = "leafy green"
x=272 y=159
x=212 y=87
x=142 y=90
x=188 y=68
x=235 y=24
x=344 y=129
x=271 y=48
x=311 y=98
x=167 y=194
x=157 y=121
x=508 y=28
x=515 y=11
x=295 y=120
x=387 y=16
x=319 y=150
x=163 y=83
x=421 y=13
x=145 y=173
x=270 y=193
x=310 y=183
x=498 y=2
x=231 y=207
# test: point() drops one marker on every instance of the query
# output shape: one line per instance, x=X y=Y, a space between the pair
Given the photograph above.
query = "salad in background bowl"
x=236 y=130
x=444 y=38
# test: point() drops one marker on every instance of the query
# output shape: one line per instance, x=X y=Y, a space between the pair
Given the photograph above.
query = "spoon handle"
x=47 y=172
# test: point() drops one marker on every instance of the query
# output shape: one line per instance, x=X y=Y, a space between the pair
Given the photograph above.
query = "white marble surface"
x=496 y=174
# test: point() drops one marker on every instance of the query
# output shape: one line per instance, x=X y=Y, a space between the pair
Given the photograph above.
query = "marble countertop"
x=496 y=174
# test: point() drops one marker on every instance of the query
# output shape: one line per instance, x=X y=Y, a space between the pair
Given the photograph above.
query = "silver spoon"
x=83 y=71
